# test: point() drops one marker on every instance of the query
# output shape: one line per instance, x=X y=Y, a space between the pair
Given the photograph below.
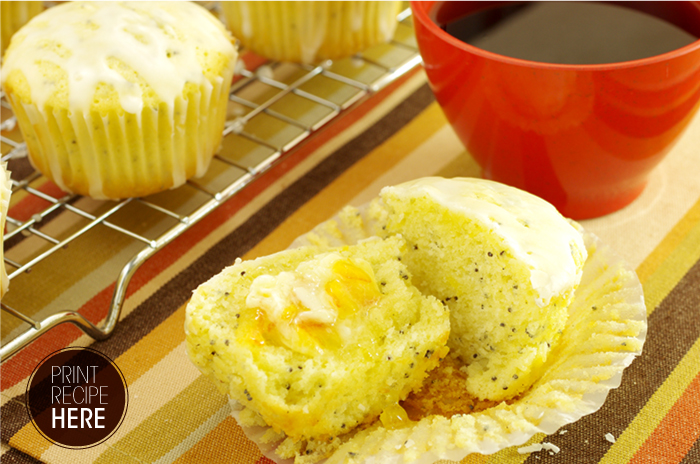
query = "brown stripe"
x=14 y=417
x=19 y=238
x=673 y=329
x=177 y=291
x=14 y=456
x=693 y=456
x=20 y=167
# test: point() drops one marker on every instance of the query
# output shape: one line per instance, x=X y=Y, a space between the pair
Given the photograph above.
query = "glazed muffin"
x=120 y=99
x=317 y=343
x=445 y=421
x=309 y=32
x=5 y=192
x=14 y=15
x=505 y=262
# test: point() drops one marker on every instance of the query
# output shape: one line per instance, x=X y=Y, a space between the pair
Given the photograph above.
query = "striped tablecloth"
x=176 y=415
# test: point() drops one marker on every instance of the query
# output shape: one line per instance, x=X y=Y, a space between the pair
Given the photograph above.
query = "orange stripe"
x=152 y=348
x=252 y=62
x=227 y=442
x=676 y=433
x=25 y=205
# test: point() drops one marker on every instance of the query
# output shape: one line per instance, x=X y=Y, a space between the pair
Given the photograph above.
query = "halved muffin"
x=317 y=342
x=504 y=261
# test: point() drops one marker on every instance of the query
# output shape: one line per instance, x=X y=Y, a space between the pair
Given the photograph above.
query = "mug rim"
x=420 y=10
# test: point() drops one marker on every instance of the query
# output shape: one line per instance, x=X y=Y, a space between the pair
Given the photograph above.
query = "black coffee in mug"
x=569 y=32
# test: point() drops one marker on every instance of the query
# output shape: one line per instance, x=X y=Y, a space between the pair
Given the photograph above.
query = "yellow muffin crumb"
x=317 y=342
x=505 y=262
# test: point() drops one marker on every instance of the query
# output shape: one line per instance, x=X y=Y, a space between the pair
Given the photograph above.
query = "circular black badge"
x=77 y=397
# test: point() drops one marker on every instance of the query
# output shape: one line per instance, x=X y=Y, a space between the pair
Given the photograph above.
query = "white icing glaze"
x=158 y=40
x=532 y=228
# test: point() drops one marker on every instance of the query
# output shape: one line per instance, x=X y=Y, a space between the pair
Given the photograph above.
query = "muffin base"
x=310 y=32
x=118 y=154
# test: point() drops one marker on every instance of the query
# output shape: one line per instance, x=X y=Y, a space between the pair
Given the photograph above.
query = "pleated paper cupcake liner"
x=310 y=32
x=119 y=154
x=5 y=192
x=605 y=332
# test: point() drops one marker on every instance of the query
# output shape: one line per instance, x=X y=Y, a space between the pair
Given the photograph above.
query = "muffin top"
x=105 y=55
x=535 y=231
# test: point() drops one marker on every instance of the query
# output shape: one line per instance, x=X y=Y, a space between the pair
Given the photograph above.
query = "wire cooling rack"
x=273 y=107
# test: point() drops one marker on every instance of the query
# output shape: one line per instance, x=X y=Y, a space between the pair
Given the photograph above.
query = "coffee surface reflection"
x=568 y=32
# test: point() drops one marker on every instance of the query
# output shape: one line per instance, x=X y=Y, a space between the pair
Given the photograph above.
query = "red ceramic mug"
x=583 y=137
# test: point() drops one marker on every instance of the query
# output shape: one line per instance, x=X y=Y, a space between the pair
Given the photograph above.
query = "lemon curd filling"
x=394 y=417
x=305 y=309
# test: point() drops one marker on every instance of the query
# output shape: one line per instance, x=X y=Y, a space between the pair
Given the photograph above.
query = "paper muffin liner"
x=5 y=192
x=309 y=32
x=120 y=154
x=605 y=331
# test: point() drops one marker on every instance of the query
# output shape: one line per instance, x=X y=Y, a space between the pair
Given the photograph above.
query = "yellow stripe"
x=511 y=455
x=462 y=165
x=656 y=409
x=152 y=348
x=170 y=425
x=471 y=459
x=71 y=287
x=168 y=377
x=29 y=441
x=662 y=276
x=442 y=148
x=364 y=172
x=669 y=243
